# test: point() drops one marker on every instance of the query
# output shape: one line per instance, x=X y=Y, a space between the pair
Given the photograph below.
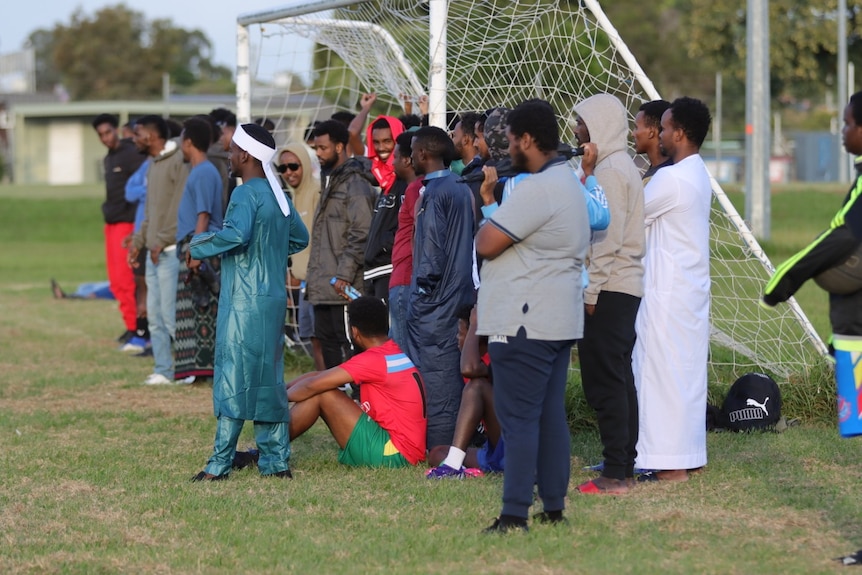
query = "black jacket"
x=120 y=164
x=381 y=236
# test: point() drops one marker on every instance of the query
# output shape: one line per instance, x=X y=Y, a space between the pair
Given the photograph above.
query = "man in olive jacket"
x=338 y=237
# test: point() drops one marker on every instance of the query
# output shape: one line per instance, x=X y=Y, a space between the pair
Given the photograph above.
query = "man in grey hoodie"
x=614 y=292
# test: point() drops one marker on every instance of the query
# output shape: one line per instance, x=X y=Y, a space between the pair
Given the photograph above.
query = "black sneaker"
x=286 y=474
x=550 y=517
x=507 y=524
x=127 y=335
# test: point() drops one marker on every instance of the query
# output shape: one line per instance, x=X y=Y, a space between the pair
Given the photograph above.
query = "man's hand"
x=154 y=254
x=192 y=263
x=590 y=308
x=339 y=286
x=486 y=190
x=423 y=104
x=126 y=243
x=132 y=257
x=367 y=101
x=406 y=103
x=588 y=161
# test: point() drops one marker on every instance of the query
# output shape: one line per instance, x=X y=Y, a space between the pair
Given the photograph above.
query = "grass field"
x=96 y=466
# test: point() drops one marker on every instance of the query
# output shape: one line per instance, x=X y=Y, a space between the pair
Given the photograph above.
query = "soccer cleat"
x=443 y=471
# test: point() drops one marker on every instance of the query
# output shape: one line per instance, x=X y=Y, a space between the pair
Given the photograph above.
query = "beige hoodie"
x=305 y=199
x=615 y=254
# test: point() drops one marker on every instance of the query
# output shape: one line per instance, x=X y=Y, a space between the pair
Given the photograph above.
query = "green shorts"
x=370 y=446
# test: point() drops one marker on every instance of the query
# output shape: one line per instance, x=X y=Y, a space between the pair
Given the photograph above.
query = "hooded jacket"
x=615 y=254
x=383 y=171
x=339 y=231
x=306 y=197
x=166 y=180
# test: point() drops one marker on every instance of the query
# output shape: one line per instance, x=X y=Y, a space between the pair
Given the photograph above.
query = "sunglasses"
x=282 y=168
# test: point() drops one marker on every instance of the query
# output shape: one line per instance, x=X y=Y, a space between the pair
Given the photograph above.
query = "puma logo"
x=754 y=403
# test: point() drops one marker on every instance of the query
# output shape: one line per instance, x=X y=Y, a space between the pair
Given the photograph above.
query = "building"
x=53 y=142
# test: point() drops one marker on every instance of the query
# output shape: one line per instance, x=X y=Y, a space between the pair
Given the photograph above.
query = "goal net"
x=319 y=57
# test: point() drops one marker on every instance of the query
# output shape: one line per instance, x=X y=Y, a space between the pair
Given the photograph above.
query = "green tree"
x=803 y=40
x=117 y=54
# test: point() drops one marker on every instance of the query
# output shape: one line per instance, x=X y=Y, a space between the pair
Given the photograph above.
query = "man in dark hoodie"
x=615 y=288
x=338 y=238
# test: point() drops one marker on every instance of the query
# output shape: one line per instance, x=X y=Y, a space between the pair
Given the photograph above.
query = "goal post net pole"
x=437 y=73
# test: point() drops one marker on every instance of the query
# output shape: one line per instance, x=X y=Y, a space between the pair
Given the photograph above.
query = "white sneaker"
x=157 y=379
x=186 y=380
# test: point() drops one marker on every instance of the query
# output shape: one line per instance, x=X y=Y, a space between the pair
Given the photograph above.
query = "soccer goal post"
x=301 y=62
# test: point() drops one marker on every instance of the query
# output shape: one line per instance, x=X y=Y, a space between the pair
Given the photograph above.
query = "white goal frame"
x=436 y=84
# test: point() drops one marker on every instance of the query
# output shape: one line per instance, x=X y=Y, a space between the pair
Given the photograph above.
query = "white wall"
x=65 y=153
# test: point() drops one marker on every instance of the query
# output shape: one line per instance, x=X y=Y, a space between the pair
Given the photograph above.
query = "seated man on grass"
x=459 y=460
x=387 y=428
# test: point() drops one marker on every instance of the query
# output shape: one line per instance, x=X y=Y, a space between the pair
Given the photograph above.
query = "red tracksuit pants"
x=119 y=273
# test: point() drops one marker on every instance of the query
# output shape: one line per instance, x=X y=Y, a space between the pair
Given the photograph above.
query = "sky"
x=217 y=18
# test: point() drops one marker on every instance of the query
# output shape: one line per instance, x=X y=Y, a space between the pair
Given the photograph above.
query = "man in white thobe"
x=670 y=356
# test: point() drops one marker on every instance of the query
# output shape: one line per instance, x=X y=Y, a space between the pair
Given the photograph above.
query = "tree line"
x=117 y=53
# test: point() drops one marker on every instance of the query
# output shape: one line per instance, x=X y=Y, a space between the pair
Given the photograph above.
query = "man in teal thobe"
x=261 y=229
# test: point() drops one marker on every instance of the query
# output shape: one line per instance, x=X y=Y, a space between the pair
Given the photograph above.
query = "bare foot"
x=672 y=475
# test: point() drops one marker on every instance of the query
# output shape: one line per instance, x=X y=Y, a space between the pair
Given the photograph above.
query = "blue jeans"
x=398 y=296
x=162 y=309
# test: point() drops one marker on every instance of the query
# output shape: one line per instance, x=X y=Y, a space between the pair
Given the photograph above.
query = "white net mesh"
x=501 y=52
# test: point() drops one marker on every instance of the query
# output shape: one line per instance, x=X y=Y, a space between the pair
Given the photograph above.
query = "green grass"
x=95 y=466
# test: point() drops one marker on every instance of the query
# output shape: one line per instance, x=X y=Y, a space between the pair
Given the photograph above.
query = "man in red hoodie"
x=380 y=140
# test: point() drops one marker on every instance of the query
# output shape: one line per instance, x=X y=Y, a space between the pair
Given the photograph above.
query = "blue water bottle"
x=350 y=292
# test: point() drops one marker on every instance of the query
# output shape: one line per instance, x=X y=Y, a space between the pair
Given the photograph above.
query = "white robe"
x=670 y=355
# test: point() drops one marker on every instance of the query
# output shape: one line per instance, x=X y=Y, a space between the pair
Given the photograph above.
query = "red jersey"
x=402 y=249
x=391 y=392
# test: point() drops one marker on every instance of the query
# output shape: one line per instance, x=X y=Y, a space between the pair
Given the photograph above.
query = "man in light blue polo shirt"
x=531 y=308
